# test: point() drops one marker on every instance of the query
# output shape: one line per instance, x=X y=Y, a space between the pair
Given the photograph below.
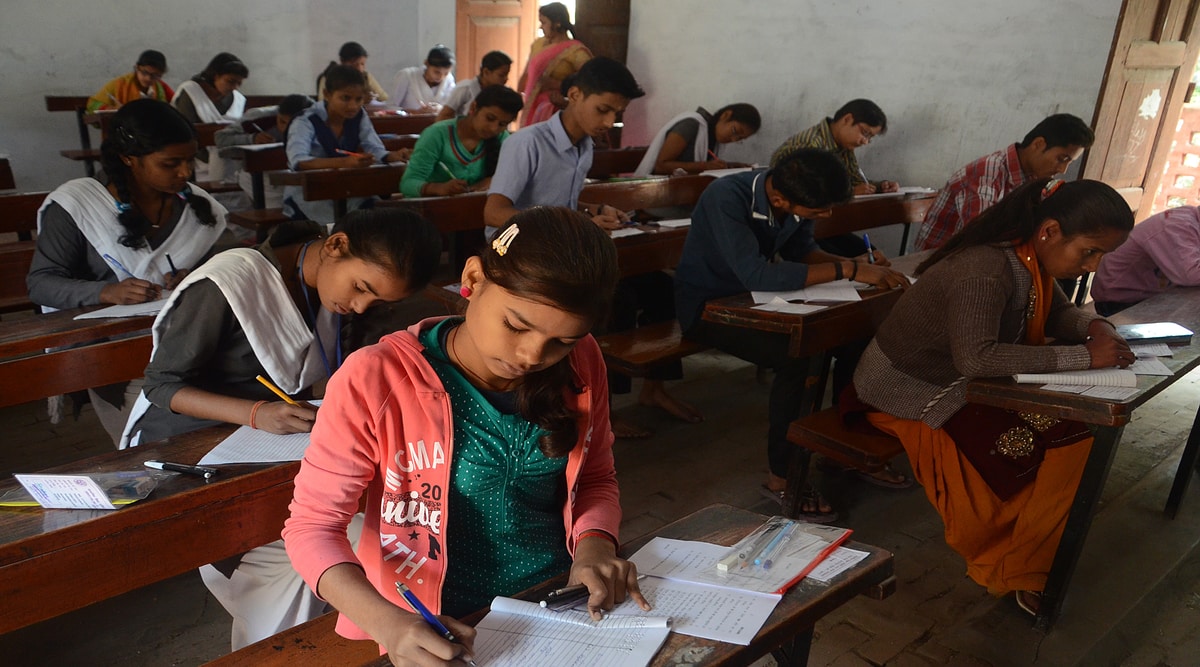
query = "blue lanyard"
x=312 y=315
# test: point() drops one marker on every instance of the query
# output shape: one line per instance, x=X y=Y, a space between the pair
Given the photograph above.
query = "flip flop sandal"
x=774 y=496
x=1029 y=601
x=812 y=497
x=905 y=482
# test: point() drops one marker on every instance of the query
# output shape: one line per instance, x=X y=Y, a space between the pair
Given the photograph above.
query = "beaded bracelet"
x=855 y=271
x=598 y=533
x=254 y=411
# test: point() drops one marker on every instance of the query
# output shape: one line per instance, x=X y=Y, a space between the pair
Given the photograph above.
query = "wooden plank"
x=60 y=328
x=6 y=175
x=66 y=102
x=1144 y=54
x=861 y=214
x=321 y=184
x=75 y=369
x=18 y=213
x=609 y=163
x=410 y=124
x=15 y=259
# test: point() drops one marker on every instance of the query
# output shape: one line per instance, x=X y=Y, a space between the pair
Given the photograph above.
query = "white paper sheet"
x=904 y=190
x=1152 y=350
x=839 y=561
x=127 y=310
x=778 y=305
x=247 y=445
x=626 y=231
x=838 y=290
x=680 y=222
x=768 y=297
x=66 y=491
x=1150 y=366
x=1066 y=388
x=517 y=633
x=1111 y=393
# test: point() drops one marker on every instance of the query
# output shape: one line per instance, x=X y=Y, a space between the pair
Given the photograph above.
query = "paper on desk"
x=66 y=491
x=685 y=560
x=778 y=305
x=1152 y=350
x=719 y=173
x=247 y=445
x=1111 y=393
x=697 y=610
x=768 y=297
x=904 y=190
x=1067 y=388
x=838 y=290
x=839 y=561
x=680 y=222
x=626 y=231
x=127 y=310
x=259 y=147
x=1150 y=366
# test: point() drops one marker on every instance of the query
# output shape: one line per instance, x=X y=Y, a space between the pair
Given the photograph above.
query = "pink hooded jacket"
x=385 y=428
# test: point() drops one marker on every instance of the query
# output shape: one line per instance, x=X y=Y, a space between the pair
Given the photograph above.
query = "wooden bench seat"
x=636 y=351
x=824 y=433
x=15 y=259
x=311 y=643
x=218 y=187
x=261 y=220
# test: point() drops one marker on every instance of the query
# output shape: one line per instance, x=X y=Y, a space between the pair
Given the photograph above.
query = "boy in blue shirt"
x=545 y=164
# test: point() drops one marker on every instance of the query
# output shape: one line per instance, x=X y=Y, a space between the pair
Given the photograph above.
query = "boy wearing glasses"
x=144 y=81
x=853 y=126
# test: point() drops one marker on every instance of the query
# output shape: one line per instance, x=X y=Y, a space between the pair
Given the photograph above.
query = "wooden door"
x=1154 y=50
x=604 y=26
x=494 y=25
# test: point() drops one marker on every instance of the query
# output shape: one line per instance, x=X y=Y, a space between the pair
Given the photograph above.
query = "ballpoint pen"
x=414 y=602
x=172 y=265
x=202 y=471
x=562 y=594
x=118 y=265
x=870 y=249
x=278 y=392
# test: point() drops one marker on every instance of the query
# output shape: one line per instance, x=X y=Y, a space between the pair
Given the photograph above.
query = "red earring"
x=464 y=291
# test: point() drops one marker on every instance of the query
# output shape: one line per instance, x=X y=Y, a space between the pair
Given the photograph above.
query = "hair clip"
x=1051 y=188
x=184 y=193
x=501 y=243
x=122 y=207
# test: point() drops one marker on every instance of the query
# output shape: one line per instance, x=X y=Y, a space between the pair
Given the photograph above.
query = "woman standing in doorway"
x=552 y=58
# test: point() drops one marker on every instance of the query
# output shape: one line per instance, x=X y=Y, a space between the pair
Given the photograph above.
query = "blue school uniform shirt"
x=302 y=145
x=540 y=166
x=732 y=244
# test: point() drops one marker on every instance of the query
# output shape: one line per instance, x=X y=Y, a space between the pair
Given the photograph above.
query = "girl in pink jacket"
x=482 y=444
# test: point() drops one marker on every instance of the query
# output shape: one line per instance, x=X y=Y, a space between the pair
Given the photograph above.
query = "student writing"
x=353 y=54
x=460 y=155
x=333 y=134
x=426 y=88
x=692 y=141
x=277 y=311
x=145 y=81
x=493 y=71
x=986 y=306
x=426 y=422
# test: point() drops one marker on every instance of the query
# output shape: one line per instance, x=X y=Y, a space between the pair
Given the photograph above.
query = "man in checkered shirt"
x=1046 y=151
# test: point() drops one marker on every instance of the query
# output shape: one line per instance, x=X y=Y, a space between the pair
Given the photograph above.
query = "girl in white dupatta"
x=692 y=140
x=212 y=96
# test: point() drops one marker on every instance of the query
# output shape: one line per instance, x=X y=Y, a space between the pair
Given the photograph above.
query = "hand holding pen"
x=130 y=289
x=290 y=416
x=352 y=159
x=464 y=639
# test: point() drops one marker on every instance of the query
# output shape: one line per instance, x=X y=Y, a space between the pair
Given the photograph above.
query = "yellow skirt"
x=1009 y=545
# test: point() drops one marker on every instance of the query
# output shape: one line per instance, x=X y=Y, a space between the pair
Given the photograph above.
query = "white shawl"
x=700 y=154
x=204 y=106
x=277 y=332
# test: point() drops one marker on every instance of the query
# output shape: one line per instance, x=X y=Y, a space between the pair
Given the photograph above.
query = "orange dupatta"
x=1041 y=292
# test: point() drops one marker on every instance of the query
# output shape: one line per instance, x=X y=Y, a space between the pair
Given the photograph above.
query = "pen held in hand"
x=174 y=270
x=118 y=265
x=447 y=170
x=418 y=607
x=870 y=249
x=276 y=390
x=352 y=154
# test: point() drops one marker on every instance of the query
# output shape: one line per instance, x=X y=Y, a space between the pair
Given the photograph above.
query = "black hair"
x=864 y=111
x=493 y=60
x=440 y=56
x=1061 y=129
x=351 y=51
x=292 y=105
x=746 y=114
x=140 y=128
x=506 y=99
x=222 y=64
x=604 y=75
x=533 y=268
x=152 y=58
x=812 y=178
x=338 y=77
x=395 y=239
x=1080 y=207
x=560 y=18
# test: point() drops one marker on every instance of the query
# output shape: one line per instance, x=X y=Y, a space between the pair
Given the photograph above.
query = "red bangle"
x=254 y=411
x=594 y=532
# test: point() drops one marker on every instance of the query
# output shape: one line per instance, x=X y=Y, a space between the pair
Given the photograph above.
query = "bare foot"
x=627 y=430
x=655 y=395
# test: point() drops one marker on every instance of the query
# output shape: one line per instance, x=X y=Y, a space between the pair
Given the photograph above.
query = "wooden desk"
x=410 y=124
x=1108 y=418
x=607 y=163
x=863 y=214
x=18 y=213
x=6 y=175
x=341 y=184
x=205 y=132
x=28 y=374
x=185 y=523
x=787 y=633
x=77 y=104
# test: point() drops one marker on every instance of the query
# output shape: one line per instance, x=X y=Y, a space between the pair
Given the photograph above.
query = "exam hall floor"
x=1133 y=601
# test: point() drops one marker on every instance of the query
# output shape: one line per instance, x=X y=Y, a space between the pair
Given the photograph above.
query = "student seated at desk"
x=334 y=134
x=426 y=88
x=1045 y=152
x=212 y=96
x=546 y=165
x=1162 y=250
x=692 y=141
x=354 y=55
x=460 y=155
x=985 y=306
x=145 y=81
x=123 y=240
x=739 y=226
x=528 y=489
x=264 y=125
x=493 y=71
x=275 y=311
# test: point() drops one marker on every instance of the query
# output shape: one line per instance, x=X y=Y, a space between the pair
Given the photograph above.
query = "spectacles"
x=153 y=75
x=867 y=135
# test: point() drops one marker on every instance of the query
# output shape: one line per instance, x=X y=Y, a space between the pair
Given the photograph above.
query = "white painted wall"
x=68 y=47
x=957 y=79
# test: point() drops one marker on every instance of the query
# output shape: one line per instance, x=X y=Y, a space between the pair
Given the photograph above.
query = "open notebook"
x=1096 y=377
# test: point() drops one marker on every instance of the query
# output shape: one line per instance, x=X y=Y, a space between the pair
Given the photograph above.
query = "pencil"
x=352 y=154
x=713 y=155
x=446 y=169
x=278 y=392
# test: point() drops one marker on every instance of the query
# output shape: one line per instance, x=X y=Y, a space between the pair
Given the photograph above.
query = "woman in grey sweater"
x=985 y=306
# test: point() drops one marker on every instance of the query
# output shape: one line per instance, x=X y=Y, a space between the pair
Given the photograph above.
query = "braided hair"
x=140 y=128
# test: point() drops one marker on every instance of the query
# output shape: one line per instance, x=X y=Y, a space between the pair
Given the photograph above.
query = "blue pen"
x=113 y=260
x=415 y=603
x=870 y=250
x=766 y=550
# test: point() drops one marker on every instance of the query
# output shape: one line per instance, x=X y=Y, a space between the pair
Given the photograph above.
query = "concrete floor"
x=1135 y=599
